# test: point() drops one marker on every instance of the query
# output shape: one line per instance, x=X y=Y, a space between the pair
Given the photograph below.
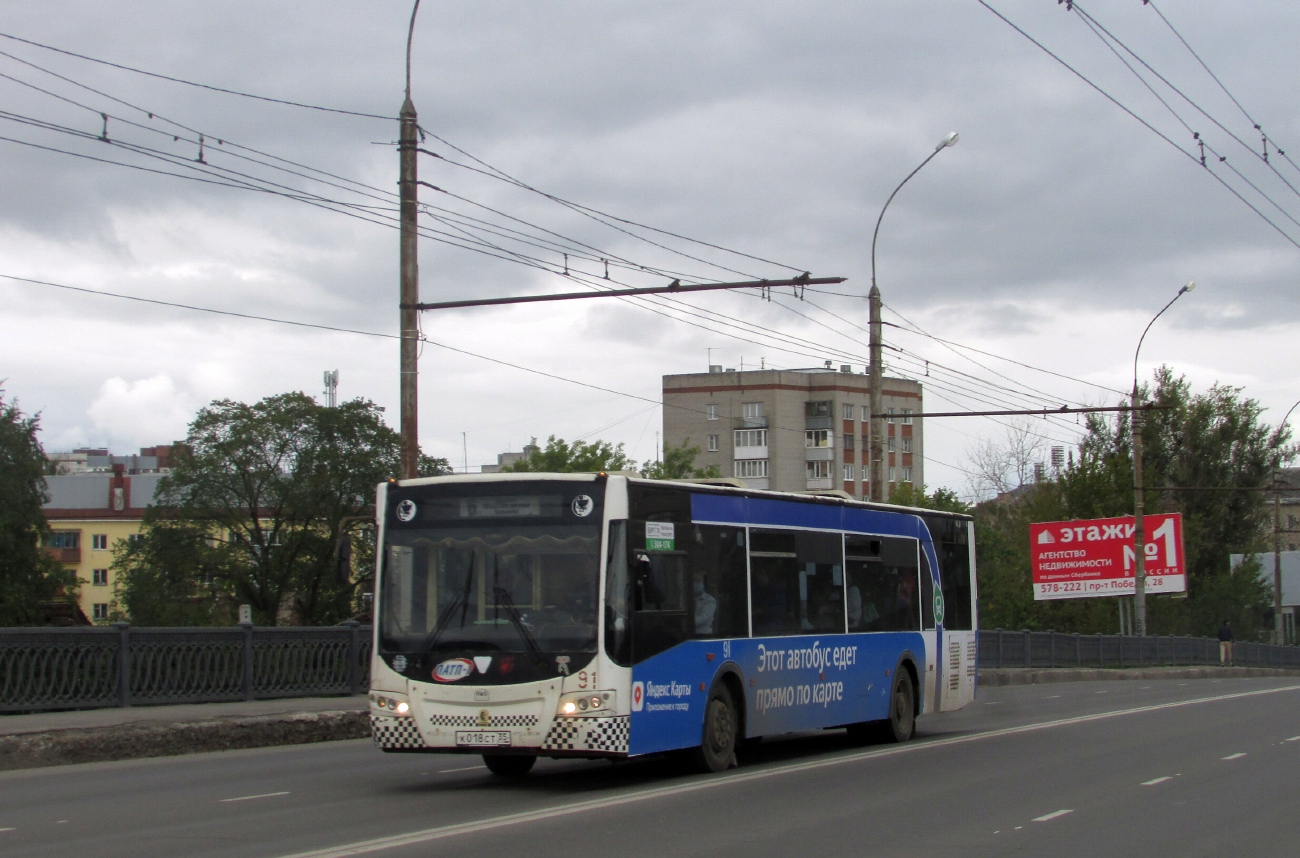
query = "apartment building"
x=88 y=514
x=795 y=429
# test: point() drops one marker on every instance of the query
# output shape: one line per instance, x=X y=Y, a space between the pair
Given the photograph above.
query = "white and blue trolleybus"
x=592 y=615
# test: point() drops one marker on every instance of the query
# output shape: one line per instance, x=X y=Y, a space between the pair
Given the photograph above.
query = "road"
x=1197 y=767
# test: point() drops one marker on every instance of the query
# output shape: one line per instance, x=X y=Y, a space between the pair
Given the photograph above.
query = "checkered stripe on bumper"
x=589 y=734
x=493 y=721
x=395 y=732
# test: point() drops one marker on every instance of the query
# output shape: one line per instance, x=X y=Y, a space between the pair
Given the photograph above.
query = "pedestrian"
x=1225 y=643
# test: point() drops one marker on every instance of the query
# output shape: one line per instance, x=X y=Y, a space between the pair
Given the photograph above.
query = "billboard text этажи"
x=1081 y=559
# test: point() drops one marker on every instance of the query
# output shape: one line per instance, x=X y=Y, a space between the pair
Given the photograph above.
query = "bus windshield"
x=501 y=573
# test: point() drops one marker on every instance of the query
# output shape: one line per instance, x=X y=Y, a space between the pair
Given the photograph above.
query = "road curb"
x=155 y=739
x=1042 y=676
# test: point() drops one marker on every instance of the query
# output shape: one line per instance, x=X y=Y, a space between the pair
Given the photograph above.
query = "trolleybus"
x=592 y=615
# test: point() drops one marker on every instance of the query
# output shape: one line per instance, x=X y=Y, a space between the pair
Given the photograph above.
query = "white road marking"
x=994 y=703
x=8 y=829
x=1234 y=756
x=1157 y=781
x=1052 y=697
x=1098 y=692
x=464 y=769
x=251 y=797
x=1294 y=739
x=365 y=847
x=1046 y=817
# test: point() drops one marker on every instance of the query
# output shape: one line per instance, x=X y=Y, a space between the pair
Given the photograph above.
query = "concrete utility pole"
x=876 y=445
x=1139 y=536
x=410 y=275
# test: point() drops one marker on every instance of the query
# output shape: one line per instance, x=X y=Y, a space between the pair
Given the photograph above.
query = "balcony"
x=751 y=452
x=749 y=423
x=819 y=454
x=65 y=555
x=817 y=422
x=820 y=485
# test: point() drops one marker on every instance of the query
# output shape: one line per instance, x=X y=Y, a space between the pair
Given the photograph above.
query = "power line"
x=1143 y=122
x=208 y=87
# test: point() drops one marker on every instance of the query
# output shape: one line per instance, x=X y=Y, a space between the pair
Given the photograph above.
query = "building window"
x=818 y=470
x=750 y=437
x=99 y=541
x=848 y=473
x=817 y=409
x=99 y=611
x=847 y=411
x=866 y=413
x=713 y=443
x=751 y=410
x=99 y=577
x=892 y=478
x=907 y=474
x=64 y=539
x=848 y=442
x=866 y=473
x=711 y=411
x=907 y=416
x=890 y=444
x=750 y=468
x=889 y=415
x=907 y=445
x=817 y=438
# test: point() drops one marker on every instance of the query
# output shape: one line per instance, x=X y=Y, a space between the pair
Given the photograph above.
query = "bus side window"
x=953 y=548
x=716 y=563
x=927 y=592
x=798 y=582
x=868 y=593
x=899 y=564
x=659 y=586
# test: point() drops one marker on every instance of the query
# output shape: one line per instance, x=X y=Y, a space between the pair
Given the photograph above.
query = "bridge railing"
x=88 y=668
x=1003 y=648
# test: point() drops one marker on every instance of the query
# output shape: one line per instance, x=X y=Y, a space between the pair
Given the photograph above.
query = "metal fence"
x=89 y=668
x=1000 y=648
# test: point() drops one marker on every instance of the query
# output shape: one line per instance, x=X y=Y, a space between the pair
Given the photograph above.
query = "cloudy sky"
x=1068 y=214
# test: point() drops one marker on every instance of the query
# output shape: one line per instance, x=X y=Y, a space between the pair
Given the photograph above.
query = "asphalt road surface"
x=1168 y=767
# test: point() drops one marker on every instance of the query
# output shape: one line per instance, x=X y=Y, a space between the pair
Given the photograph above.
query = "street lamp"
x=876 y=453
x=1277 y=541
x=1139 y=537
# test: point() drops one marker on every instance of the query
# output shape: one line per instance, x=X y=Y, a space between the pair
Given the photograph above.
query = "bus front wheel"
x=509 y=766
x=717 y=751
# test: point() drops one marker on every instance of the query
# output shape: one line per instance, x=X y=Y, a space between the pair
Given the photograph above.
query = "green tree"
x=678 y=464
x=580 y=457
x=175 y=574
x=277 y=485
x=1206 y=456
x=28 y=576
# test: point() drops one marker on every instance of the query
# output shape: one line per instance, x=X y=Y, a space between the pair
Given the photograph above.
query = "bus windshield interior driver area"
x=569 y=615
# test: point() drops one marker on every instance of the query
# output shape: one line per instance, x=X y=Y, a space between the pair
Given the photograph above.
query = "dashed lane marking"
x=428 y=835
x=1294 y=739
x=1047 y=817
x=462 y=769
x=1155 y=781
x=251 y=797
x=1234 y=756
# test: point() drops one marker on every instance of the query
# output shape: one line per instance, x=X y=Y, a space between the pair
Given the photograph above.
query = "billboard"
x=1082 y=559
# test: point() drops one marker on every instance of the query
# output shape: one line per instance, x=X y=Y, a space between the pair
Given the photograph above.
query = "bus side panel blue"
x=791 y=684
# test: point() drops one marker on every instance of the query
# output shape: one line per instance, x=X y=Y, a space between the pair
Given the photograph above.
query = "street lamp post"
x=1139 y=537
x=409 y=266
x=1277 y=542
x=876 y=446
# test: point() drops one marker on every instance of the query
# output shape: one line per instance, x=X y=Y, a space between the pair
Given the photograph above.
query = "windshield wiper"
x=502 y=598
x=461 y=602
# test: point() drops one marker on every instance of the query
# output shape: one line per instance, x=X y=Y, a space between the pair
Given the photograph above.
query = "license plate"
x=483 y=738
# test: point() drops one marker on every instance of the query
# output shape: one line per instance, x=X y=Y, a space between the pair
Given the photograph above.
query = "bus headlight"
x=390 y=705
x=587 y=703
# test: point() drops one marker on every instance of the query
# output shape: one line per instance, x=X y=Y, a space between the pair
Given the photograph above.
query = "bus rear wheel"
x=717 y=751
x=509 y=766
x=901 y=723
